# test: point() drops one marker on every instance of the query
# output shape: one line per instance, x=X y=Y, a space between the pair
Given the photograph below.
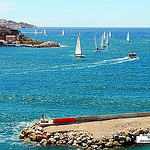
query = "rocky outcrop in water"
x=29 y=42
x=12 y=24
x=81 y=139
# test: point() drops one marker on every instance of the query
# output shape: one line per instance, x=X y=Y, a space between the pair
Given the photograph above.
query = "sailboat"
x=110 y=34
x=63 y=32
x=78 y=51
x=96 y=43
x=44 y=31
x=35 y=32
x=104 y=35
x=102 y=42
x=128 y=40
x=107 y=43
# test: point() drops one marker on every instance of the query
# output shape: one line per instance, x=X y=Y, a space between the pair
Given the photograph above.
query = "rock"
x=56 y=137
x=85 y=145
x=115 y=137
x=109 y=144
x=25 y=132
x=79 y=143
x=116 y=143
x=21 y=136
x=32 y=136
x=43 y=142
x=70 y=142
x=84 y=140
x=122 y=142
x=51 y=140
x=128 y=141
x=78 y=134
x=75 y=142
x=122 y=138
x=89 y=142
x=40 y=137
x=140 y=131
x=94 y=146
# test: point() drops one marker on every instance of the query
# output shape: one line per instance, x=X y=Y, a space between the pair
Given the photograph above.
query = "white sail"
x=110 y=34
x=104 y=35
x=35 y=32
x=102 y=40
x=63 y=32
x=44 y=31
x=95 y=41
x=128 y=39
x=107 y=39
x=78 y=47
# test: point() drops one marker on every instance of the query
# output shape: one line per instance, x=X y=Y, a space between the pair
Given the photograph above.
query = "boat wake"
x=122 y=60
x=81 y=65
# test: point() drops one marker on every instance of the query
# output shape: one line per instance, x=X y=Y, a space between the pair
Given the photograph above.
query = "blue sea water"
x=51 y=81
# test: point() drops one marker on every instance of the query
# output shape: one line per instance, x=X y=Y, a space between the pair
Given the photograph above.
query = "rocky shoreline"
x=26 y=41
x=82 y=139
x=13 y=37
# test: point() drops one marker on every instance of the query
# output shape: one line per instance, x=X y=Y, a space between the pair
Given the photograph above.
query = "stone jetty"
x=113 y=133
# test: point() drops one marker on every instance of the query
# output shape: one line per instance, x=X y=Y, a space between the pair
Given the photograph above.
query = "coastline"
x=112 y=133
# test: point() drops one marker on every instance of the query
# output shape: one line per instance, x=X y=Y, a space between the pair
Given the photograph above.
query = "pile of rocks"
x=81 y=139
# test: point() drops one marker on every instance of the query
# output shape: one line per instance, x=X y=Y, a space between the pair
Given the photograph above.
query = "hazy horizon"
x=78 y=13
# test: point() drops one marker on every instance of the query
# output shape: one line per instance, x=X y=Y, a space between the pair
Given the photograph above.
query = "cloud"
x=6 y=7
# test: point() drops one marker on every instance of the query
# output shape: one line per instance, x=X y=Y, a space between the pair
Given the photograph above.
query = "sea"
x=53 y=82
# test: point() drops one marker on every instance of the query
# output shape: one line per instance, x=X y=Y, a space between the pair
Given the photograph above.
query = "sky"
x=78 y=13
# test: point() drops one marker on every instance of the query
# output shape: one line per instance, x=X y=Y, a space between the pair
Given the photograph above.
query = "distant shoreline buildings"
x=13 y=37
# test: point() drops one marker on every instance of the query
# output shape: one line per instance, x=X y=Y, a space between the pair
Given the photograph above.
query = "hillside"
x=12 y=24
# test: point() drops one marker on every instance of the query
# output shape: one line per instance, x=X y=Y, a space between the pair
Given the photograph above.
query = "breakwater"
x=108 y=117
x=83 y=138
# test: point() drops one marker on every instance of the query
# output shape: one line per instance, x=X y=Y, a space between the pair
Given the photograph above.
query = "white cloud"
x=6 y=7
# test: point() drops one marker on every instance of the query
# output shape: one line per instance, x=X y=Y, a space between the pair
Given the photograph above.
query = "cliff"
x=12 y=24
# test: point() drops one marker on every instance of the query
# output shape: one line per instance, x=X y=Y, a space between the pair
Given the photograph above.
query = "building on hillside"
x=11 y=38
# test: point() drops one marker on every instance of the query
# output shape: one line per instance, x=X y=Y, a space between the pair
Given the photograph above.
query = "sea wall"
x=82 y=139
x=110 y=131
x=108 y=117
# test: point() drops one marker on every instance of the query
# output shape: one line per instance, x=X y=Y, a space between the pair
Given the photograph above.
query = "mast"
x=78 y=46
x=102 y=45
x=95 y=41
x=107 y=39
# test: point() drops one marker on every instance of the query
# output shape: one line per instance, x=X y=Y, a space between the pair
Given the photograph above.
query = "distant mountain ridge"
x=12 y=24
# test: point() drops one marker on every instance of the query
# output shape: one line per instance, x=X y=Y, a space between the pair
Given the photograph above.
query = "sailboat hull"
x=80 y=56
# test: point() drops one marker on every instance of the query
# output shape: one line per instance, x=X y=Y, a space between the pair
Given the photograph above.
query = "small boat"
x=110 y=34
x=78 y=51
x=128 y=39
x=102 y=42
x=63 y=32
x=35 y=32
x=132 y=55
x=96 y=44
x=107 y=43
